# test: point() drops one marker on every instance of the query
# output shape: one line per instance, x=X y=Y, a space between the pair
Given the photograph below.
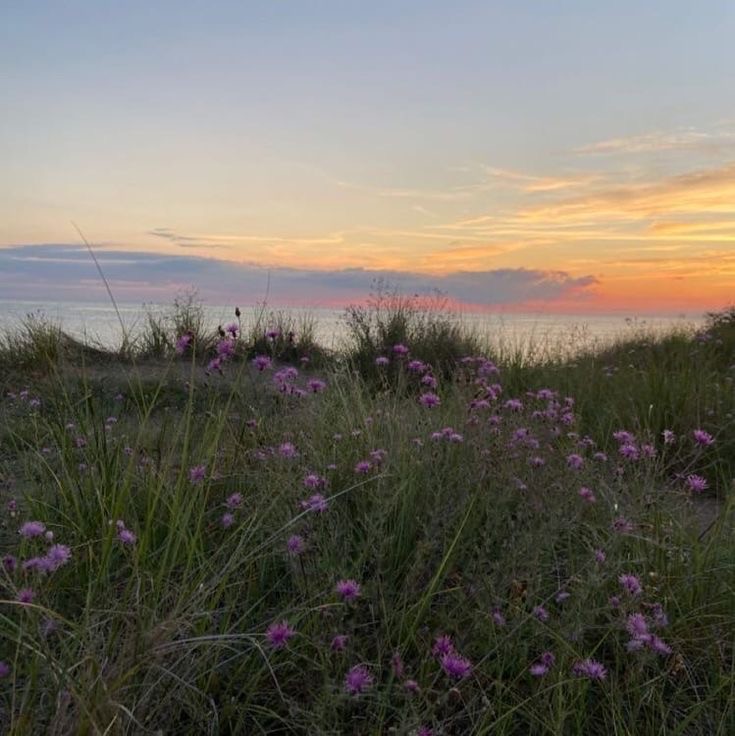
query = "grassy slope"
x=169 y=632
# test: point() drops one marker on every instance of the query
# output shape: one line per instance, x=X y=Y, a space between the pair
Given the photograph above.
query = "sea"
x=100 y=323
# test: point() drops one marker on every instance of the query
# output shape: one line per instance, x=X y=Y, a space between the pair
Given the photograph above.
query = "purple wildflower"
x=197 y=473
x=278 y=634
x=575 y=461
x=589 y=668
x=262 y=362
x=498 y=617
x=32 y=529
x=429 y=381
x=397 y=666
x=659 y=646
x=381 y=360
x=316 y=503
x=287 y=449
x=455 y=666
x=400 y=349
x=631 y=584
x=316 y=385
x=124 y=534
x=622 y=526
x=696 y=483
x=4 y=669
x=629 y=451
x=25 y=595
x=183 y=343
x=227 y=520
x=234 y=501
x=411 y=686
x=57 y=556
x=668 y=436
x=429 y=400
x=442 y=645
x=339 y=643
x=295 y=545
x=358 y=680
x=542 y=666
x=702 y=438
x=363 y=467
x=349 y=590
x=587 y=495
x=637 y=626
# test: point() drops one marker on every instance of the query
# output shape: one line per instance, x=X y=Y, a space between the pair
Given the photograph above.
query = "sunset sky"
x=569 y=156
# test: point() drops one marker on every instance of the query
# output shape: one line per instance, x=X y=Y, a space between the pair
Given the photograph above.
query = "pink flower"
x=316 y=503
x=197 y=473
x=629 y=451
x=589 y=668
x=542 y=666
x=32 y=529
x=637 y=626
x=287 y=449
x=631 y=584
x=455 y=666
x=429 y=400
x=358 y=680
x=381 y=361
x=339 y=643
x=314 y=481
x=587 y=495
x=261 y=362
x=396 y=664
x=295 y=545
x=575 y=462
x=702 y=438
x=25 y=595
x=442 y=645
x=278 y=634
x=234 y=501
x=57 y=556
x=349 y=590
x=124 y=535
x=183 y=343
x=696 y=483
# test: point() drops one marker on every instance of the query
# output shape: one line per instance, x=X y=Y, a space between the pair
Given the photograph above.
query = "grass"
x=463 y=519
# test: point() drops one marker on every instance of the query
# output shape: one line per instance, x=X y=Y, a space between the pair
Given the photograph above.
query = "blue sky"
x=325 y=136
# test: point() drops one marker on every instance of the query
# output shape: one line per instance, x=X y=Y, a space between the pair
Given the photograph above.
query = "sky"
x=567 y=156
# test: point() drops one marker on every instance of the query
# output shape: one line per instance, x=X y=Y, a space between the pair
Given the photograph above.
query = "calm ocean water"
x=99 y=322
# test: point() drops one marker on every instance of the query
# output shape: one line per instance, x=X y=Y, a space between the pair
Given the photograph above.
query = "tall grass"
x=462 y=519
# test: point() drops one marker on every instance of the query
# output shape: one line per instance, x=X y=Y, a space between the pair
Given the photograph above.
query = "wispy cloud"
x=687 y=139
x=66 y=269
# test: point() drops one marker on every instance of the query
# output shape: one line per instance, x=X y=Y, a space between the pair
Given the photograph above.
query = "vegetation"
x=238 y=532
